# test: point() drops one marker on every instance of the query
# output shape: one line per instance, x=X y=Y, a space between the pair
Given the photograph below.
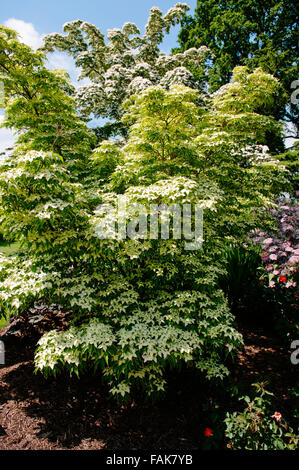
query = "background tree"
x=256 y=33
x=127 y=64
x=290 y=159
x=39 y=103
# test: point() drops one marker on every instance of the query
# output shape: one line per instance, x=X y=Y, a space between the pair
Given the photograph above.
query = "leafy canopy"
x=39 y=103
x=127 y=64
x=139 y=304
x=256 y=33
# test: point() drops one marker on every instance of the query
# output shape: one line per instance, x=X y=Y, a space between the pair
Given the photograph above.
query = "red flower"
x=208 y=432
x=283 y=279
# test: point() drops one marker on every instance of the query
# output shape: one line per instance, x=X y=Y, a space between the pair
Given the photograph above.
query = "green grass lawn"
x=9 y=249
x=3 y=322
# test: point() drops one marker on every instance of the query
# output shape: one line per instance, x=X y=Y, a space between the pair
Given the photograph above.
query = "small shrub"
x=240 y=282
x=259 y=426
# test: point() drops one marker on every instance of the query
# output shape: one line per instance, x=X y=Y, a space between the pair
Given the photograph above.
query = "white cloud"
x=27 y=32
x=57 y=60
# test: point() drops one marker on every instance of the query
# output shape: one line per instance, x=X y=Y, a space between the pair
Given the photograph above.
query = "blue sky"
x=35 y=18
x=49 y=16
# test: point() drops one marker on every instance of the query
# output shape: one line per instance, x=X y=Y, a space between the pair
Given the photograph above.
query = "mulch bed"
x=68 y=413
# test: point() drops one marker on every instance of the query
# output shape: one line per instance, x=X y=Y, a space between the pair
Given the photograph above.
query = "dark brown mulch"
x=67 y=413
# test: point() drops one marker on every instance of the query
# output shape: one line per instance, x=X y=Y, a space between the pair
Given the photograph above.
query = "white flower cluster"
x=128 y=63
x=68 y=347
x=156 y=342
x=178 y=76
x=259 y=155
x=175 y=189
x=18 y=283
x=140 y=343
x=138 y=84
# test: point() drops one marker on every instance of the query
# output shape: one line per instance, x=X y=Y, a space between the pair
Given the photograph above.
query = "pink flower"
x=290 y=284
x=273 y=257
x=287 y=227
x=269 y=267
x=277 y=416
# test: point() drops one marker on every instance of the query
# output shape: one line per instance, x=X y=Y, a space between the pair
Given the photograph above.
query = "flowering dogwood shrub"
x=139 y=304
x=162 y=302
